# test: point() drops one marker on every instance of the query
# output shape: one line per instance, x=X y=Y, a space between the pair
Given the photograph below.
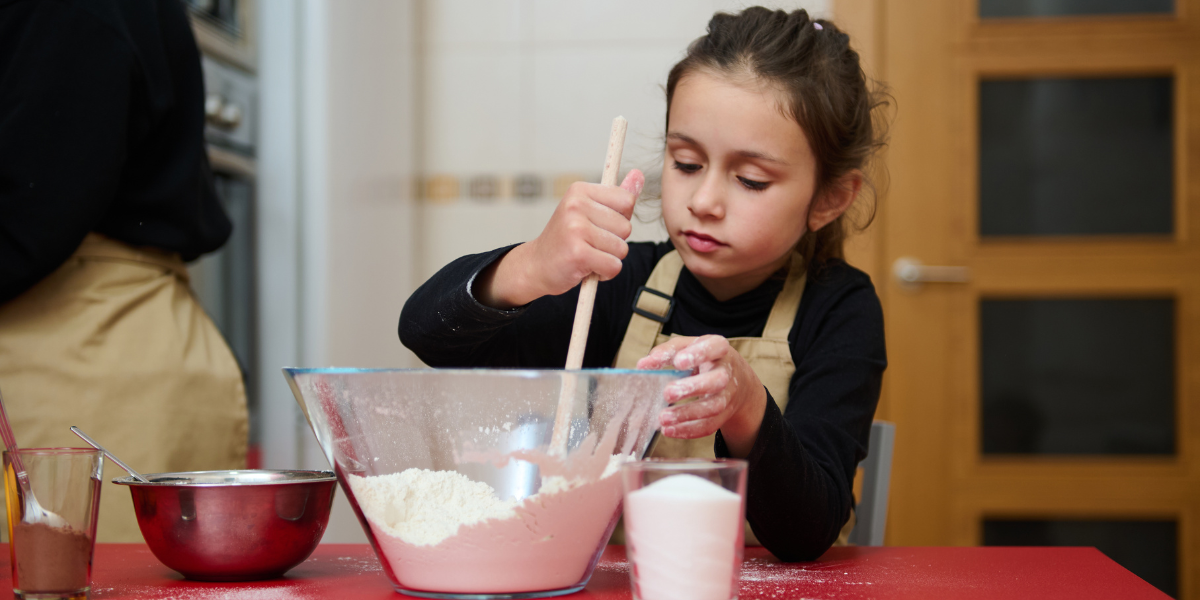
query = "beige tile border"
x=439 y=188
x=447 y=188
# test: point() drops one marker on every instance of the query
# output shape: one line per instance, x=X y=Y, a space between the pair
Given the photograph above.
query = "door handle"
x=910 y=273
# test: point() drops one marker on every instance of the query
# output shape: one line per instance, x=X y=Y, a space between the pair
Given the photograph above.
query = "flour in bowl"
x=425 y=507
x=430 y=523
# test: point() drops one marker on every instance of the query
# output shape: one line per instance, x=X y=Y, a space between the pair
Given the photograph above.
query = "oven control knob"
x=213 y=104
x=231 y=116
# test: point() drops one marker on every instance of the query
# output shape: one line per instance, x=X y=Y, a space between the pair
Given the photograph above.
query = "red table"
x=351 y=571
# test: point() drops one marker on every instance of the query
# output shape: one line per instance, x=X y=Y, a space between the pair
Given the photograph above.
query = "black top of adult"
x=101 y=129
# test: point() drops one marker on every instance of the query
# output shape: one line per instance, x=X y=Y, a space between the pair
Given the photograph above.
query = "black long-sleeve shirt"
x=803 y=461
x=101 y=129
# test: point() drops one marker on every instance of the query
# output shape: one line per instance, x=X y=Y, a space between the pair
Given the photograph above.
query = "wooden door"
x=1055 y=394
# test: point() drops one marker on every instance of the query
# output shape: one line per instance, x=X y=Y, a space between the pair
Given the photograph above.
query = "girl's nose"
x=709 y=199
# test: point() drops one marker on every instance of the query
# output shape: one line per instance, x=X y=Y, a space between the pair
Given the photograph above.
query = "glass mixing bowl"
x=453 y=479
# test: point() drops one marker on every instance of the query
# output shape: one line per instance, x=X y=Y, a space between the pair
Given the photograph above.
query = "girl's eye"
x=688 y=168
x=753 y=185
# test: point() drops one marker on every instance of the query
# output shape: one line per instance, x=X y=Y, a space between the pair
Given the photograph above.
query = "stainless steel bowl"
x=232 y=525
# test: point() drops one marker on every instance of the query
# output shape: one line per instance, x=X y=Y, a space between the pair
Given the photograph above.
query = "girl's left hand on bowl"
x=728 y=395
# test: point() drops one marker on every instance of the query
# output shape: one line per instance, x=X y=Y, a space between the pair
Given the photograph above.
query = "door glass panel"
x=1075 y=156
x=1064 y=8
x=1147 y=548
x=1078 y=376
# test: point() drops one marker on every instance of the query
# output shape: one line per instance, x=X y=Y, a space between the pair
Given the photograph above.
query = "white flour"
x=424 y=507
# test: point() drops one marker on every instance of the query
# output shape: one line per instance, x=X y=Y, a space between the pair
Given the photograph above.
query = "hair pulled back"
x=823 y=87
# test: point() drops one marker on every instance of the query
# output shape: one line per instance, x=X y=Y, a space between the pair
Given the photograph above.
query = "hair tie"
x=817 y=26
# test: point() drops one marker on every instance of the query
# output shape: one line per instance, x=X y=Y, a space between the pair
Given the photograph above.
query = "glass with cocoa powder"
x=52 y=556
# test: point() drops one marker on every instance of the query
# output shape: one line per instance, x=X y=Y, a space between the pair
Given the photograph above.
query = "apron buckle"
x=654 y=310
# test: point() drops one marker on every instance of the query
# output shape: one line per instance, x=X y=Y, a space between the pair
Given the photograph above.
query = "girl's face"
x=737 y=182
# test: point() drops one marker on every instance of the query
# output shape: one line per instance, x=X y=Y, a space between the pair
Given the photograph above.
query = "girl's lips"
x=700 y=242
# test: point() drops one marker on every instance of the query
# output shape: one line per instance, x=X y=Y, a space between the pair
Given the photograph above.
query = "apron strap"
x=651 y=308
x=787 y=303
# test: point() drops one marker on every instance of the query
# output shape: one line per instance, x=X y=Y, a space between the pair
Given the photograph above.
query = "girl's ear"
x=835 y=200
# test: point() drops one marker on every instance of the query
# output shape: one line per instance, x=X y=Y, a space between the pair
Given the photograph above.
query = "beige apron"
x=770 y=355
x=113 y=341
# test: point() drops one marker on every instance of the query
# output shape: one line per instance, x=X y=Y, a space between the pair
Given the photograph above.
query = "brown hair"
x=824 y=88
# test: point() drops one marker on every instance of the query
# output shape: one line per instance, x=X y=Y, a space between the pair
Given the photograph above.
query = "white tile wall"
x=466 y=23
x=818 y=8
x=531 y=86
x=473 y=107
x=612 y=22
x=622 y=21
x=577 y=90
x=469 y=226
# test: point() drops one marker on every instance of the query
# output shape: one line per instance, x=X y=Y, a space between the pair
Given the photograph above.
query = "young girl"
x=769 y=127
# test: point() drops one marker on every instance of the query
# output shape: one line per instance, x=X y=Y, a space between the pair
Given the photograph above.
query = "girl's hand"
x=585 y=235
x=729 y=395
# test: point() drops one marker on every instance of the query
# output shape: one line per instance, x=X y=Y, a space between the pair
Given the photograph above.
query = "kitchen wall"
x=519 y=90
x=335 y=206
x=397 y=136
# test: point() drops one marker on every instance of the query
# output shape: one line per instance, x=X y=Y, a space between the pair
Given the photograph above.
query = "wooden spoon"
x=583 y=310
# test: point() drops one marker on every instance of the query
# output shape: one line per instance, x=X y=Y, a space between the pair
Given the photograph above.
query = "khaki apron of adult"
x=113 y=341
x=770 y=355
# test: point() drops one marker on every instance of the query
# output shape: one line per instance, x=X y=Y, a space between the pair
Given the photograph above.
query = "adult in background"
x=105 y=192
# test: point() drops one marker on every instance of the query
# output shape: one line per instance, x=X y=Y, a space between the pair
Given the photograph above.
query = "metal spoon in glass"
x=120 y=463
x=33 y=513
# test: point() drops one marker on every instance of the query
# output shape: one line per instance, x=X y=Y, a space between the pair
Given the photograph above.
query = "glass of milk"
x=683 y=527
